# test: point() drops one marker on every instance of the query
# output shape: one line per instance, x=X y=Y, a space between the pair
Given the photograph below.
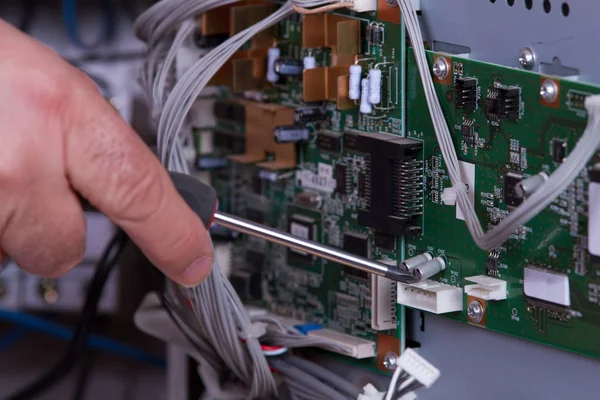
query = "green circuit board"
x=554 y=240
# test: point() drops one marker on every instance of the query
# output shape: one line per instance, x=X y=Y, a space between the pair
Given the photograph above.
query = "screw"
x=440 y=68
x=390 y=360
x=527 y=58
x=475 y=311
x=549 y=91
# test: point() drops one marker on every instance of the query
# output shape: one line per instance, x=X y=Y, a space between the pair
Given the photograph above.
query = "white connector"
x=418 y=367
x=486 y=287
x=428 y=295
x=364 y=5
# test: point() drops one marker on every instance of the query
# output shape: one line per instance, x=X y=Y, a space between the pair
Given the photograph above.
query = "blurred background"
x=39 y=316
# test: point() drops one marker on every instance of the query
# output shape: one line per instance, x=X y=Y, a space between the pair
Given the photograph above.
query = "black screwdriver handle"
x=201 y=198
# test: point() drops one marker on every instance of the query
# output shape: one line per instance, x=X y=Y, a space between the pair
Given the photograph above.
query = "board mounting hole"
x=547 y=6
x=566 y=9
x=529 y=4
x=510 y=2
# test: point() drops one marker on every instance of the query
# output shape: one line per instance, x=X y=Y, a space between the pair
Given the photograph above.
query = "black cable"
x=83 y=329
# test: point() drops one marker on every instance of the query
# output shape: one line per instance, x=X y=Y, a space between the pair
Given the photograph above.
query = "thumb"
x=110 y=166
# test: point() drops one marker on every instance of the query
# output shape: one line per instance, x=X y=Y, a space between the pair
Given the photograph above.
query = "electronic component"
x=329 y=141
x=467 y=131
x=511 y=198
x=306 y=228
x=383 y=303
x=428 y=295
x=309 y=199
x=365 y=106
x=357 y=243
x=290 y=134
x=486 y=288
x=392 y=191
x=303 y=115
x=429 y=268
x=354 y=82
x=309 y=62
x=341 y=179
x=547 y=285
x=465 y=92
x=288 y=67
x=503 y=102
x=384 y=240
x=272 y=55
x=526 y=187
x=375 y=86
x=559 y=150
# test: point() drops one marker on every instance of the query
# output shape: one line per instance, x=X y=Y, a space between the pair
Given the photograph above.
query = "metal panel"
x=497 y=32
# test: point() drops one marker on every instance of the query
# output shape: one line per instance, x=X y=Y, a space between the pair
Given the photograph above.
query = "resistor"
x=374 y=86
x=365 y=106
x=354 y=84
x=310 y=62
x=272 y=55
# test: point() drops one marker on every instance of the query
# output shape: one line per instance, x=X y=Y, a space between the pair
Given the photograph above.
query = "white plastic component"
x=594 y=218
x=364 y=5
x=310 y=62
x=375 y=86
x=370 y=392
x=272 y=55
x=547 y=285
x=365 y=106
x=486 y=287
x=354 y=82
x=428 y=295
x=352 y=346
x=383 y=303
x=418 y=367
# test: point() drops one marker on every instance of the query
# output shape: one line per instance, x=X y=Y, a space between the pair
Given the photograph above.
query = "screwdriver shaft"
x=308 y=246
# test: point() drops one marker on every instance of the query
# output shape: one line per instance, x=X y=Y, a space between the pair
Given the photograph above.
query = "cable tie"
x=449 y=194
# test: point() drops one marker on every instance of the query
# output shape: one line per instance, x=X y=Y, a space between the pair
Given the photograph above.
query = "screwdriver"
x=202 y=199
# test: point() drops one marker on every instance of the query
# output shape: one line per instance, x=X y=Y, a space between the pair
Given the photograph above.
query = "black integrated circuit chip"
x=510 y=195
x=357 y=244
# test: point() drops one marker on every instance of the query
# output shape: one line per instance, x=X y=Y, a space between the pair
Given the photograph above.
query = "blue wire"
x=69 y=13
x=96 y=341
x=13 y=336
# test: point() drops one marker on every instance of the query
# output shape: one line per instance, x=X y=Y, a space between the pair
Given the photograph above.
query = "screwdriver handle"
x=201 y=198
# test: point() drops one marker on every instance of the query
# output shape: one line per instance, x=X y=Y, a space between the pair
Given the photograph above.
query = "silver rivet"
x=475 y=311
x=527 y=58
x=549 y=91
x=441 y=68
x=390 y=360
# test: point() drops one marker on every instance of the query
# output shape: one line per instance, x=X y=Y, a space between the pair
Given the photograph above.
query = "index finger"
x=111 y=166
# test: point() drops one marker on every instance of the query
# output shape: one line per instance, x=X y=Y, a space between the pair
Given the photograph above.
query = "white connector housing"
x=486 y=287
x=364 y=5
x=383 y=303
x=428 y=295
x=418 y=367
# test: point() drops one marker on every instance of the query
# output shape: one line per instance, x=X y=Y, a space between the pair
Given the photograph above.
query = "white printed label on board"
x=309 y=180
x=467 y=172
x=594 y=218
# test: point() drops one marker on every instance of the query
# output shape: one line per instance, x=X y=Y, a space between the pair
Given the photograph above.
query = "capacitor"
x=374 y=86
x=413 y=262
x=430 y=268
x=365 y=106
x=310 y=62
x=288 y=67
x=354 y=83
x=272 y=55
x=304 y=115
x=528 y=186
x=290 y=134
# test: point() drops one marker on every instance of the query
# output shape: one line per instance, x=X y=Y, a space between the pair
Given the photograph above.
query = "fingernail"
x=196 y=272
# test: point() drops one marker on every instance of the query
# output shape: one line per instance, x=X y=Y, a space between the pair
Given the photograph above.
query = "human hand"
x=59 y=137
